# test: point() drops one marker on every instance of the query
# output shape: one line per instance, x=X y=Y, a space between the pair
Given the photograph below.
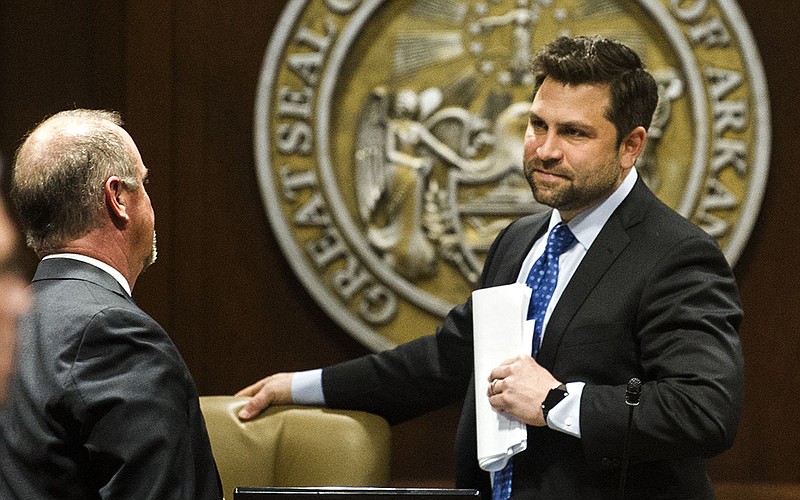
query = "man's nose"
x=548 y=147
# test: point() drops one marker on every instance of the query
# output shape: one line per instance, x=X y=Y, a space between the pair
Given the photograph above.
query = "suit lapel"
x=511 y=258
x=607 y=247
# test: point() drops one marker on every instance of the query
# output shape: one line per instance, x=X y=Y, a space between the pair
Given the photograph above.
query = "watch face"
x=554 y=397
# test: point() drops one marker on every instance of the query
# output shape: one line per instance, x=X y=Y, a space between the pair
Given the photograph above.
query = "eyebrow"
x=562 y=125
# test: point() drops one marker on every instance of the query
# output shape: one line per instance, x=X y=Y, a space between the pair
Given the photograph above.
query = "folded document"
x=498 y=316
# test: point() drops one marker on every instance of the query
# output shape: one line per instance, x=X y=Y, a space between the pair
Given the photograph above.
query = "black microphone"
x=632 y=395
x=633 y=392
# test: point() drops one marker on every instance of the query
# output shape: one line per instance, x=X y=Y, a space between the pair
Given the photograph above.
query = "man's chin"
x=547 y=197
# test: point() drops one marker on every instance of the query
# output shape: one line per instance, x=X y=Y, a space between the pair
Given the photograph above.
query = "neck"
x=107 y=248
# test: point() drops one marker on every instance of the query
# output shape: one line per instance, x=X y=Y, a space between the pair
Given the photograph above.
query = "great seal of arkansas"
x=388 y=138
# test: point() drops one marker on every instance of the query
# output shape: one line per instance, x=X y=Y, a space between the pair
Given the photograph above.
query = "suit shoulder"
x=643 y=210
x=668 y=221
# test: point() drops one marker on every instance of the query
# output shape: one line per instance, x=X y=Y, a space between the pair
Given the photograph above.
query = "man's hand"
x=517 y=388
x=273 y=390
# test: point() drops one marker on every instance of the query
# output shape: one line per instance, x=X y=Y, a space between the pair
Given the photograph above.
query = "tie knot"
x=560 y=239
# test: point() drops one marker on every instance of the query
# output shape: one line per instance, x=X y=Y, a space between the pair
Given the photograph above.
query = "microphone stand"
x=632 y=395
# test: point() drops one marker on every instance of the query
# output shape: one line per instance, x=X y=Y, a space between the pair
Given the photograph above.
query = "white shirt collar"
x=96 y=263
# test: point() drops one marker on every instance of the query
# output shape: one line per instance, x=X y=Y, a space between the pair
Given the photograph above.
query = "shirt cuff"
x=307 y=388
x=566 y=415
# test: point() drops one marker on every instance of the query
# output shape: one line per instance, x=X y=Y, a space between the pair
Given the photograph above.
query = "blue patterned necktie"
x=542 y=280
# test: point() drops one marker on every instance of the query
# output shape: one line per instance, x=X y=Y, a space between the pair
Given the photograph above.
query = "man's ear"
x=116 y=196
x=632 y=146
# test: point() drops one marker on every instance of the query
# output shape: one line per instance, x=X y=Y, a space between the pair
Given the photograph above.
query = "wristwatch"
x=554 y=397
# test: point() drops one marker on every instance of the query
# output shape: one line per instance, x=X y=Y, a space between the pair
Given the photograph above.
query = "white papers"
x=498 y=317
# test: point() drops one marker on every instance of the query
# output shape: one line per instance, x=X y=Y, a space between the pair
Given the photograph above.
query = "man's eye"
x=574 y=132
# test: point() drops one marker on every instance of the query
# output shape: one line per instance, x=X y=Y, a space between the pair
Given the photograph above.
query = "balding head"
x=59 y=174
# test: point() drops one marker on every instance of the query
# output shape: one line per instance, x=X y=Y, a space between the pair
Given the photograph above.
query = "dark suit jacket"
x=102 y=404
x=653 y=298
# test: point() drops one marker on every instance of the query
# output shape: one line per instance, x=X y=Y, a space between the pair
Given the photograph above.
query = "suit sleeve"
x=409 y=380
x=690 y=360
x=133 y=397
x=414 y=378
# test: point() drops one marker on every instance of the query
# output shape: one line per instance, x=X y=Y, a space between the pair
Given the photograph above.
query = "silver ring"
x=492 y=387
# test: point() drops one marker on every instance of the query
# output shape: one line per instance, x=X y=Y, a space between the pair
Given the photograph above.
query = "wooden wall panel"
x=56 y=55
x=147 y=58
x=765 y=448
x=184 y=74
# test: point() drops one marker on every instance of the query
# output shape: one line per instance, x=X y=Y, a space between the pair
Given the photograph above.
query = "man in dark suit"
x=102 y=405
x=640 y=293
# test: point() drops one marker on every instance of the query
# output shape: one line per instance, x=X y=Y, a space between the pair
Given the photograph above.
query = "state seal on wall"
x=388 y=138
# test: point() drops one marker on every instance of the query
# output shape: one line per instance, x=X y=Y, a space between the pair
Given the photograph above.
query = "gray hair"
x=59 y=175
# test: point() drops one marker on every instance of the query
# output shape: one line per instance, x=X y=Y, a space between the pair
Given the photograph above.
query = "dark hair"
x=59 y=175
x=599 y=60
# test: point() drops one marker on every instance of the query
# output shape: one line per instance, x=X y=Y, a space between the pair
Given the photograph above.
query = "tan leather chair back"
x=296 y=446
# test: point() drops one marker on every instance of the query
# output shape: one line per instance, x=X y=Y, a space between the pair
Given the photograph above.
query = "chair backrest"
x=296 y=446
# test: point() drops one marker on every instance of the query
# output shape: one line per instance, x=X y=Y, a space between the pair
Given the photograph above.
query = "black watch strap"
x=554 y=397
